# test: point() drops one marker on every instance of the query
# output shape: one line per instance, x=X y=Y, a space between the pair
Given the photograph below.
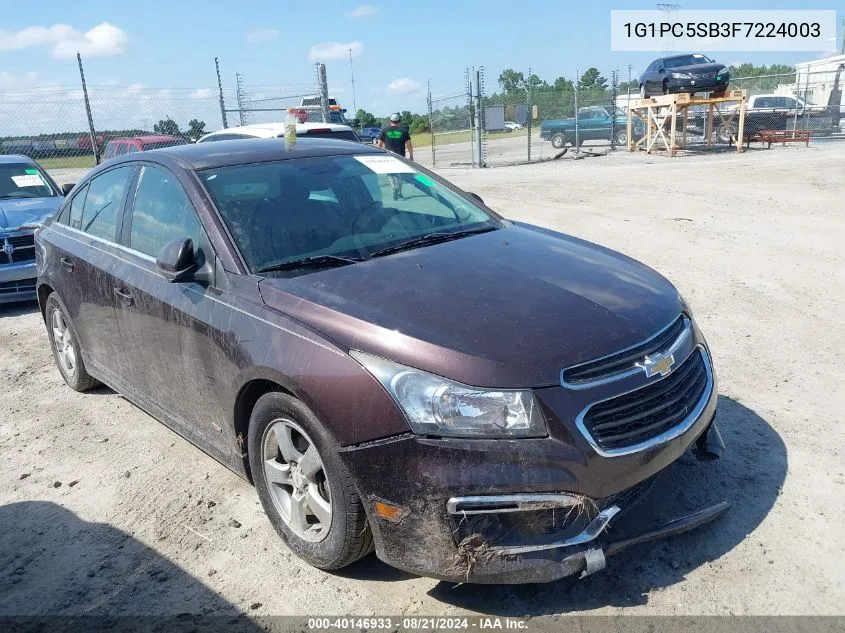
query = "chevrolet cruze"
x=474 y=398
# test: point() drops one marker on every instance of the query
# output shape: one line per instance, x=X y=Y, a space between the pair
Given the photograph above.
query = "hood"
x=696 y=68
x=23 y=211
x=508 y=308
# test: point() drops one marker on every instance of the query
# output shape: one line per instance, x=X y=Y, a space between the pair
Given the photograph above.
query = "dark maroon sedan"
x=476 y=399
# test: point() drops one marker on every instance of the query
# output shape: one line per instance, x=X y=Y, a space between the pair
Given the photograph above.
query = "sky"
x=159 y=51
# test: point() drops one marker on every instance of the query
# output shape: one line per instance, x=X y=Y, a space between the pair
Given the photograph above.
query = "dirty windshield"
x=338 y=208
x=22 y=180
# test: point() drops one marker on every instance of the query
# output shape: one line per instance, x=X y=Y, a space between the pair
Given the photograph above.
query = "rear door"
x=85 y=239
x=173 y=349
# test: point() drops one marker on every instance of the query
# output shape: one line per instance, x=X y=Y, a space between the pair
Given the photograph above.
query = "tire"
x=65 y=346
x=559 y=141
x=327 y=544
x=622 y=139
x=725 y=133
x=665 y=87
x=643 y=92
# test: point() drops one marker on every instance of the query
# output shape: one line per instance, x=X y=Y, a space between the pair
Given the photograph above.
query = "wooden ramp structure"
x=662 y=115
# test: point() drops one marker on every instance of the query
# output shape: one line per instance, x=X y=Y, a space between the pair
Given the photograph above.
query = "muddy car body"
x=419 y=376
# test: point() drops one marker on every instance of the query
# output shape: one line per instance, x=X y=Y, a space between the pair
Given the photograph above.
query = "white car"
x=511 y=125
x=277 y=130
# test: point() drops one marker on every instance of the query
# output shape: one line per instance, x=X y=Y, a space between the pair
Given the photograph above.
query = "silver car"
x=27 y=197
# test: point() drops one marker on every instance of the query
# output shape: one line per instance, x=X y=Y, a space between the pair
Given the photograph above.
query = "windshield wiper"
x=316 y=261
x=430 y=238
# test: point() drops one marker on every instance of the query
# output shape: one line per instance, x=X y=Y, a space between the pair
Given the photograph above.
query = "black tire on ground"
x=622 y=139
x=75 y=374
x=349 y=537
x=559 y=141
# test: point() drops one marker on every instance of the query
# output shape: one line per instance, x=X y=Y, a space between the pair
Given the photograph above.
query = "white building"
x=816 y=79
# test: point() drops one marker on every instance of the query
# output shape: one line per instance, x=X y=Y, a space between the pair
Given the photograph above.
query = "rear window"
x=340 y=135
x=160 y=144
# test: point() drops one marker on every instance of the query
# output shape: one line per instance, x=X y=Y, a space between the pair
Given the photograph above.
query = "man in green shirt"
x=395 y=138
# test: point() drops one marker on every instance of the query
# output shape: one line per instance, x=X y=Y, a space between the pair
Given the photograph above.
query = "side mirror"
x=477 y=197
x=176 y=260
x=661 y=70
x=67 y=188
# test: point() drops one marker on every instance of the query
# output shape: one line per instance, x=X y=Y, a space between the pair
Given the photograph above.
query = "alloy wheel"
x=296 y=480
x=63 y=342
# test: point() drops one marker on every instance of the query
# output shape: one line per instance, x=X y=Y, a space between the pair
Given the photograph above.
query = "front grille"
x=24 y=249
x=703 y=75
x=14 y=287
x=644 y=414
x=623 y=361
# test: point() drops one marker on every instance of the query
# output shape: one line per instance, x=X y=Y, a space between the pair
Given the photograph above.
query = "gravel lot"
x=104 y=510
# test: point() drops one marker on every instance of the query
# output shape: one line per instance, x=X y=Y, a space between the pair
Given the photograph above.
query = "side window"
x=109 y=151
x=104 y=202
x=162 y=213
x=121 y=149
x=72 y=213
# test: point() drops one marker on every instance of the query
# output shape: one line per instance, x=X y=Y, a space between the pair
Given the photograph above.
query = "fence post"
x=322 y=84
x=478 y=119
x=220 y=90
x=94 y=147
x=614 y=88
x=239 y=79
x=528 y=90
x=471 y=118
x=431 y=124
x=577 y=130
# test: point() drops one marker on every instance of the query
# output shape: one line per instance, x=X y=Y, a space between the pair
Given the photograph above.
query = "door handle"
x=68 y=264
x=125 y=298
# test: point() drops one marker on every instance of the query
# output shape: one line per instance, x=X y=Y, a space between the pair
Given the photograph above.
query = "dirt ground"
x=104 y=510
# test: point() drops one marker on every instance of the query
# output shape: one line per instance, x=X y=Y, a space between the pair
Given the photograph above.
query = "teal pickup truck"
x=594 y=124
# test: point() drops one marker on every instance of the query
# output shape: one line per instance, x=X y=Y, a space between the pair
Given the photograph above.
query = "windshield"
x=686 y=60
x=23 y=180
x=341 y=206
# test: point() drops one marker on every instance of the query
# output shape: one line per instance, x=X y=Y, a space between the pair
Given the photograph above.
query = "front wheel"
x=622 y=139
x=65 y=346
x=306 y=491
x=558 y=141
x=643 y=92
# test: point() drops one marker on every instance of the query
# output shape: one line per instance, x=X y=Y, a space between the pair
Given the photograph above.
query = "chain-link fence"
x=527 y=120
x=75 y=127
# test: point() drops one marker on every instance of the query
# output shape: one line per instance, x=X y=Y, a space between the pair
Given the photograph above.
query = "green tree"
x=366 y=119
x=196 y=128
x=561 y=84
x=511 y=81
x=535 y=83
x=167 y=126
x=592 y=79
x=633 y=85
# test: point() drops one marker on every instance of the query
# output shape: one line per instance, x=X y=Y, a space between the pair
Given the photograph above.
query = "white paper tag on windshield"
x=29 y=180
x=385 y=165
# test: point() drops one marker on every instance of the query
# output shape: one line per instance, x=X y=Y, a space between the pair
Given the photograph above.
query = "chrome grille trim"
x=664 y=437
x=676 y=345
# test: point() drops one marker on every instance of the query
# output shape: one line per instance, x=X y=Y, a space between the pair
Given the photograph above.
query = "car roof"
x=15 y=158
x=255 y=150
x=272 y=130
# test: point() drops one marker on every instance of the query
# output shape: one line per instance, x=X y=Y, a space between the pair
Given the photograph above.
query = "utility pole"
x=323 y=85
x=630 y=79
x=94 y=147
x=668 y=8
x=220 y=90
x=241 y=100
x=352 y=76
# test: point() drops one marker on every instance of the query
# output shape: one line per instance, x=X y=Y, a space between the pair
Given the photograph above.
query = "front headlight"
x=680 y=75
x=437 y=406
x=722 y=71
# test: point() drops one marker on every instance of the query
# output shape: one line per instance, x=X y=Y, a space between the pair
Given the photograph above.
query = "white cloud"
x=363 y=11
x=8 y=81
x=262 y=35
x=403 y=86
x=334 y=50
x=201 y=93
x=103 y=40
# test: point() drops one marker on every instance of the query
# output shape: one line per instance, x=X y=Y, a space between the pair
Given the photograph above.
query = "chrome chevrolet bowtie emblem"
x=657 y=364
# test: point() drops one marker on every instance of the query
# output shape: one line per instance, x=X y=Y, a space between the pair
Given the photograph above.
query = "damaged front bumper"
x=482 y=511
